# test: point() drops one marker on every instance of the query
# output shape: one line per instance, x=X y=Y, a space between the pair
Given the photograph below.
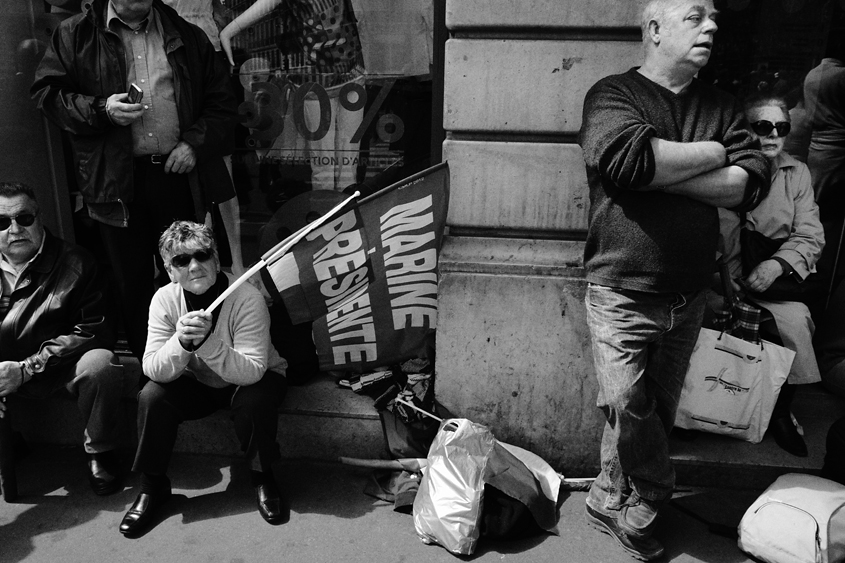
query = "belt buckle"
x=156 y=159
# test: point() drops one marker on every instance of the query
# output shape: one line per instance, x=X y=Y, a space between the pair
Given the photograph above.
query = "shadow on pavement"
x=54 y=498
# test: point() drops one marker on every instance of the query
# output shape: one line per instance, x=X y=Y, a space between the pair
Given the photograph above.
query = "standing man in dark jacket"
x=663 y=151
x=53 y=329
x=139 y=166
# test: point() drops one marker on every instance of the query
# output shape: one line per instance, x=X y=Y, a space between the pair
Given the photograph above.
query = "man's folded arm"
x=724 y=187
x=676 y=162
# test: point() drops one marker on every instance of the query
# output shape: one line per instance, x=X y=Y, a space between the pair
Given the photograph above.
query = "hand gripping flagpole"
x=284 y=247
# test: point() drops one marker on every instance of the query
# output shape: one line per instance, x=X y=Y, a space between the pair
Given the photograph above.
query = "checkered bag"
x=741 y=320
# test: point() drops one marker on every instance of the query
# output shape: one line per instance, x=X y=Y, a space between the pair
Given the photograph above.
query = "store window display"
x=318 y=45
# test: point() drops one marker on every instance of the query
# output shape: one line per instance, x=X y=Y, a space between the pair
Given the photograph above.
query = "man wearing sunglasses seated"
x=54 y=332
x=202 y=362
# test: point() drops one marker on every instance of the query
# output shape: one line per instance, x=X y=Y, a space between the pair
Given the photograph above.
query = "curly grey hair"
x=185 y=234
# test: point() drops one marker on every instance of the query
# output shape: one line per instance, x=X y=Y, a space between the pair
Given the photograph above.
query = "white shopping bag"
x=450 y=505
x=732 y=385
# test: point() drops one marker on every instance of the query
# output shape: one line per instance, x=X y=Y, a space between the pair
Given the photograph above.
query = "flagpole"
x=416 y=408
x=293 y=239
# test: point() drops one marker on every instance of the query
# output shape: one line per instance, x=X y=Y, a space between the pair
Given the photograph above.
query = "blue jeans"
x=641 y=344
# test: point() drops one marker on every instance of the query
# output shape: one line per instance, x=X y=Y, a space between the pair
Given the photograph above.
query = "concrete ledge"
x=718 y=461
x=318 y=420
x=321 y=421
x=514 y=257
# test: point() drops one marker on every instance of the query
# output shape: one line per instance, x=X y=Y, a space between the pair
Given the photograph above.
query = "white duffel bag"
x=798 y=519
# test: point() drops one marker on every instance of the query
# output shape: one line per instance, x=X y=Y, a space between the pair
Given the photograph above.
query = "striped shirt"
x=157 y=131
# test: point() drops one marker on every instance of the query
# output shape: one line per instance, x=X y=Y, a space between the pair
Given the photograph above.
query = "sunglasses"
x=24 y=220
x=182 y=260
x=763 y=127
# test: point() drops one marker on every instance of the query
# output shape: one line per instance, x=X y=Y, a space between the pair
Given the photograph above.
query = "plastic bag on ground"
x=465 y=457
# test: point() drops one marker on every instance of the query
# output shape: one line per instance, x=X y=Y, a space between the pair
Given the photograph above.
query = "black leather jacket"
x=59 y=313
x=85 y=64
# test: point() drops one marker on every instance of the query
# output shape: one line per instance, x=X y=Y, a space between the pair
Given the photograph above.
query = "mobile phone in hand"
x=135 y=94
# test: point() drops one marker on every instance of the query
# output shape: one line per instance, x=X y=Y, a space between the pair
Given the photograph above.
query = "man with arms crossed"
x=663 y=151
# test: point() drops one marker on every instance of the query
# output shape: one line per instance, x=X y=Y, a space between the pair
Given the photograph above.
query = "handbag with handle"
x=732 y=383
x=798 y=519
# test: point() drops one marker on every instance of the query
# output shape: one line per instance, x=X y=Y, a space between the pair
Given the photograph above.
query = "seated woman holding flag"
x=200 y=361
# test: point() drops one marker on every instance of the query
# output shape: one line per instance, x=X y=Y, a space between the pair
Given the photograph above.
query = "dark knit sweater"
x=651 y=240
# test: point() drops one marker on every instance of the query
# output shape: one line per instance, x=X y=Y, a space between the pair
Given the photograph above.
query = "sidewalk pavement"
x=212 y=518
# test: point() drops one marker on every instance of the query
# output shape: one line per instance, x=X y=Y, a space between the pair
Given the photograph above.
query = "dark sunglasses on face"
x=24 y=220
x=763 y=127
x=182 y=260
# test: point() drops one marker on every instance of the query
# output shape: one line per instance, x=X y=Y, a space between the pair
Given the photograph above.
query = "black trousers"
x=769 y=331
x=163 y=406
x=159 y=199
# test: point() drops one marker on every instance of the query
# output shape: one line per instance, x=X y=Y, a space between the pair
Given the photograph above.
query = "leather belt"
x=152 y=159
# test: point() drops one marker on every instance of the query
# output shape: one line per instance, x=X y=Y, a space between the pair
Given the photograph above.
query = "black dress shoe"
x=104 y=473
x=787 y=437
x=142 y=512
x=270 y=504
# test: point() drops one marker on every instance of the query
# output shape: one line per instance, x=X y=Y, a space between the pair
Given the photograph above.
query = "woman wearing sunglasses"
x=788 y=220
x=201 y=362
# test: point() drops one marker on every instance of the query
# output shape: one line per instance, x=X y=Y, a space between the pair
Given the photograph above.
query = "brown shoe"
x=644 y=549
x=638 y=516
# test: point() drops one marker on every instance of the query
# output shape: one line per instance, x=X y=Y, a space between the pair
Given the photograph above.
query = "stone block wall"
x=513 y=350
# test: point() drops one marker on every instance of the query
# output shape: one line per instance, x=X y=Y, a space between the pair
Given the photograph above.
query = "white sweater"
x=238 y=351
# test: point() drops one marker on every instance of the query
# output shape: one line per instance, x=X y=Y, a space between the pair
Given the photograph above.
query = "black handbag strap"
x=727 y=286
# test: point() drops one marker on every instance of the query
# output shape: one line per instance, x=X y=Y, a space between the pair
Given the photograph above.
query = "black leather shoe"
x=270 y=504
x=685 y=434
x=104 y=473
x=142 y=512
x=787 y=437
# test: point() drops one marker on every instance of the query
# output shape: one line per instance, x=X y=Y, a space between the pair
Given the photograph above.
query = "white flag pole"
x=292 y=240
x=416 y=408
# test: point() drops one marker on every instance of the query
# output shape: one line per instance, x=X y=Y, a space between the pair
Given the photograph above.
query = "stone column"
x=513 y=348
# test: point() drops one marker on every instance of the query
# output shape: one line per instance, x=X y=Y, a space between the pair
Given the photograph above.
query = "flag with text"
x=367 y=277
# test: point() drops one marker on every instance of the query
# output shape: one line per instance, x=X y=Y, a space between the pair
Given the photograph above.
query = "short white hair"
x=654 y=10
x=767 y=100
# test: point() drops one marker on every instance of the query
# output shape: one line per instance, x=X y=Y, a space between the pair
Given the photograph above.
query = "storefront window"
x=335 y=96
x=770 y=47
